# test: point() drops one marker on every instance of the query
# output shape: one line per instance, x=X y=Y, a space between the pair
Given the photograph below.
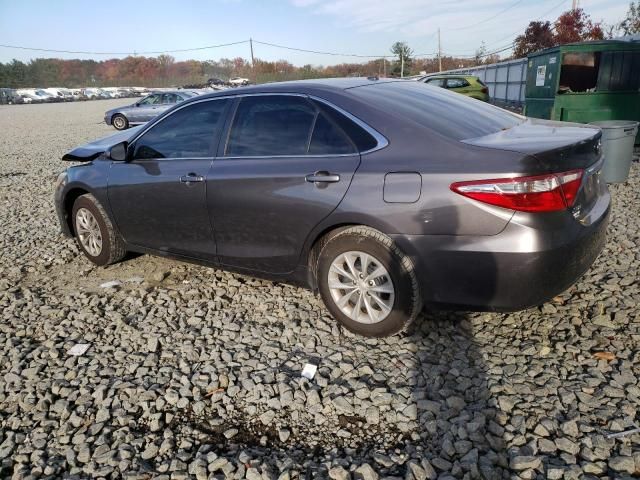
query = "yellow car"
x=468 y=85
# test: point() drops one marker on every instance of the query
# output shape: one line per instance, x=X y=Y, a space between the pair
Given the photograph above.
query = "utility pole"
x=384 y=66
x=439 y=52
x=253 y=64
x=575 y=4
x=402 y=64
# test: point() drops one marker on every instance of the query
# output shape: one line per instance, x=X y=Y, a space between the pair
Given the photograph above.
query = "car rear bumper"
x=523 y=266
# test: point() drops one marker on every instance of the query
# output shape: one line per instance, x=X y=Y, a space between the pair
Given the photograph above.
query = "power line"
x=336 y=54
x=80 y=52
x=536 y=19
x=488 y=19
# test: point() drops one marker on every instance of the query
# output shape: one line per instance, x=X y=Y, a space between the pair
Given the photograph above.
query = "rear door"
x=285 y=166
x=158 y=197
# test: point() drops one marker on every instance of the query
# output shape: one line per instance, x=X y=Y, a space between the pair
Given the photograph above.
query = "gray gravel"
x=193 y=372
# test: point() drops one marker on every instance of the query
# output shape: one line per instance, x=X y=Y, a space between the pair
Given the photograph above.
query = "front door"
x=158 y=197
x=285 y=167
x=146 y=109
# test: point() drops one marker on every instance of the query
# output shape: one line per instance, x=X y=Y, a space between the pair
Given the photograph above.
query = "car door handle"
x=322 y=177
x=191 y=178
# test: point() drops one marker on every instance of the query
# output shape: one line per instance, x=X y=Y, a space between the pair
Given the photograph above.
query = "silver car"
x=145 y=109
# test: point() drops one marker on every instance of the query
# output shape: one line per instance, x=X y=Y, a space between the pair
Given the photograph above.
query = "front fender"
x=81 y=179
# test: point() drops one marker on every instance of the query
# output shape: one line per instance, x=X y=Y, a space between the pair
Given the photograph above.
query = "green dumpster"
x=585 y=82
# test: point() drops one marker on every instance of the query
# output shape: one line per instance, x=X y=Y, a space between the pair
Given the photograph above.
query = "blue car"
x=145 y=109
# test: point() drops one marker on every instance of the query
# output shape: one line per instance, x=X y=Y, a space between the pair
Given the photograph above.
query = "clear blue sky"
x=366 y=27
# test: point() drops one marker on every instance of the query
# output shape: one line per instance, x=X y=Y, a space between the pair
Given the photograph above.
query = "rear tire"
x=119 y=122
x=94 y=232
x=366 y=282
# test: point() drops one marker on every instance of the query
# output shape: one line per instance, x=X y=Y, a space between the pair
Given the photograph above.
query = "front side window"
x=150 y=100
x=189 y=132
x=436 y=82
x=271 y=125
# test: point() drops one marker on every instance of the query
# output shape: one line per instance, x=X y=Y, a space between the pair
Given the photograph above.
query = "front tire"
x=367 y=283
x=94 y=232
x=119 y=122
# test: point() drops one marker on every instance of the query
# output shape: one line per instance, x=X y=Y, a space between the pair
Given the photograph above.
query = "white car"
x=238 y=81
x=36 y=96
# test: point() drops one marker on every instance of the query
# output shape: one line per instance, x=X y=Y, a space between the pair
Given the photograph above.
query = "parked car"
x=238 y=81
x=144 y=110
x=56 y=94
x=216 y=81
x=7 y=96
x=22 y=99
x=34 y=96
x=468 y=85
x=379 y=195
x=92 y=93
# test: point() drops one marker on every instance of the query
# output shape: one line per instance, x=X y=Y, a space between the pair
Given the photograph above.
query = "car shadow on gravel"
x=458 y=421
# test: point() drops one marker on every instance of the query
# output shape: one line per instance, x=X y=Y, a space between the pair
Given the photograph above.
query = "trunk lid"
x=559 y=147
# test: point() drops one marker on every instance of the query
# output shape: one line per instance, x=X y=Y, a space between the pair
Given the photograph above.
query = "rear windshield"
x=450 y=114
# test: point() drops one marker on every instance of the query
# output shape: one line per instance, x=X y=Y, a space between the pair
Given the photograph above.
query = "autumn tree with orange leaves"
x=570 y=27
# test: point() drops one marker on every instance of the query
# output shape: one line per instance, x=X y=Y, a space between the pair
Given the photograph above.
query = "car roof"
x=451 y=75
x=307 y=87
x=153 y=92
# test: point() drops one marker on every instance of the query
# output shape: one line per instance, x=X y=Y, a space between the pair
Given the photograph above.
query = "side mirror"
x=118 y=153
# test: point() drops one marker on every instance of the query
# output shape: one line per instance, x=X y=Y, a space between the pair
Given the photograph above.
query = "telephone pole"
x=440 y=52
x=252 y=59
x=402 y=64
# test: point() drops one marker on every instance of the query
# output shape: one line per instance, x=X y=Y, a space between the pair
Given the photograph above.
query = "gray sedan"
x=145 y=109
x=379 y=195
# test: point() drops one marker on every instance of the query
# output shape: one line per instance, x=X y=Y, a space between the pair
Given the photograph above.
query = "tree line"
x=164 y=70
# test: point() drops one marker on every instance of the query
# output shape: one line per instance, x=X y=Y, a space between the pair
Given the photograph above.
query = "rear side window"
x=271 y=125
x=277 y=125
x=450 y=114
x=170 y=98
x=187 y=133
x=328 y=138
x=457 y=83
x=362 y=139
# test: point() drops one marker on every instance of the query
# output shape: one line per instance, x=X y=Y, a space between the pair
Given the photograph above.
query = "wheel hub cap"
x=361 y=287
x=89 y=232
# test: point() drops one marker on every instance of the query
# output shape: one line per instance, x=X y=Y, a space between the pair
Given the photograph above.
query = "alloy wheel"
x=88 y=231
x=361 y=287
x=119 y=122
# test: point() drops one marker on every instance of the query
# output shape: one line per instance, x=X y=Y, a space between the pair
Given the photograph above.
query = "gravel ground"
x=193 y=372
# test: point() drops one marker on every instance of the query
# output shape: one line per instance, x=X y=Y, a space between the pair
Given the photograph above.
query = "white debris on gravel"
x=202 y=379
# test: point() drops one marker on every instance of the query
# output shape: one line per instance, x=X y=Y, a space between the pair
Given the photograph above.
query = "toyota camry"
x=380 y=195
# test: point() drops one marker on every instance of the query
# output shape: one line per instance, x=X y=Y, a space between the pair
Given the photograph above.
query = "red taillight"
x=541 y=193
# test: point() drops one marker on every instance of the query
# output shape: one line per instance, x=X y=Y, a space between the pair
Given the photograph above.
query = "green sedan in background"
x=468 y=85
